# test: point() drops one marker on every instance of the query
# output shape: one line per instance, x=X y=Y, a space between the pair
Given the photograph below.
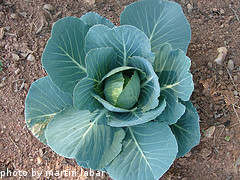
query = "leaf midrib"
x=81 y=67
x=90 y=127
x=139 y=148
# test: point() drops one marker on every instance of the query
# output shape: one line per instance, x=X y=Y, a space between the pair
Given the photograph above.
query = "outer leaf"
x=187 y=130
x=172 y=68
x=174 y=109
x=43 y=102
x=84 y=136
x=127 y=41
x=162 y=21
x=82 y=98
x=93 y=18
x=84 y=165
x=99 y=62
x=150 y=89
x=135 y=117
x=148 y=151
x=64 y=55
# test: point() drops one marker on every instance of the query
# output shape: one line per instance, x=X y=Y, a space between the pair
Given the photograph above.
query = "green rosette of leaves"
x=116 y=98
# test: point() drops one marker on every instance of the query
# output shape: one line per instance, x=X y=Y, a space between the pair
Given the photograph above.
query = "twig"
x=13 y=142
x=220 y=133
x=231 y=78
x=235 y=13
x=233 y=105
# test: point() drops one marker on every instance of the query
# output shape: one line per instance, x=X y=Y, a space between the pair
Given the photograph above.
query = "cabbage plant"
x=117 y=98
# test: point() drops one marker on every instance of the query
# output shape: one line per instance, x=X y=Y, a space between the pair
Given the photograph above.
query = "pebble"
x=215 y=10
x=15 y=57
x=190 y=8
x=222 y=12
x=221 y=72
x=48 y=7
x=31 y=57
x=230 y=65
x=1 y=33
x=209 y=132
x=14 y=16
x=222 y=52
x=209 y=64
x=17 y=71
x=39 y=160
x=235 y=93
x=188 y=154
x=7 y=28
x=91 y=2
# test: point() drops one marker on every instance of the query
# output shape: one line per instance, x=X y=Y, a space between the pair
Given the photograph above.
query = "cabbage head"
x=117 y=98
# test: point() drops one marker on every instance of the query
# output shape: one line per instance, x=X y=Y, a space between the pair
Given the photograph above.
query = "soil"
x=214 y=24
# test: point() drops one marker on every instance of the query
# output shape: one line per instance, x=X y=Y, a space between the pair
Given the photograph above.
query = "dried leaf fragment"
x=222 y=55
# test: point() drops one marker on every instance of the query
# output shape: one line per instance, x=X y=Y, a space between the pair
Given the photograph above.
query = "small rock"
x=188 y=154
x=14 y=16
x=39 y=160
x=48 y=7
x=221 y=56
x=230 y=65
x=91 y=2
x=205 y=153
x=17 y=71
x=189 y=8
x=26 y=86
x=209 y=64
x=183 y=1
x=235 y=78
x=220 y=72
x=23 y=14
x=7 y=28
x=215 y=10
x=222 y=12
x=15 y=57
x=64 y=162
x=40 y=150
x=31 y=57
x=209 y=132
x=1 y=33
x=235 y=93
